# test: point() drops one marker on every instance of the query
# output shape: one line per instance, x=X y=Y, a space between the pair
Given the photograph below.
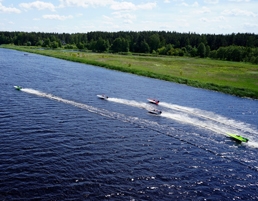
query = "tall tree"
x=46 y=43
x=120 y=45
x=154 y=42
x=144 y=47
x=101 y=45
x=201 y=50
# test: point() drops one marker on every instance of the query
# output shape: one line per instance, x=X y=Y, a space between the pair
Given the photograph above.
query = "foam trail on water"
x=209 y=125
x=50 y=96
x=103 y=112
x=196 y=117
x=181 y=115
x=252 y=144
x=211 y=116
x=131 y=103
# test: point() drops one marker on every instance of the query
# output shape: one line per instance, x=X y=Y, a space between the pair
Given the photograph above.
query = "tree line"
x=241 y=47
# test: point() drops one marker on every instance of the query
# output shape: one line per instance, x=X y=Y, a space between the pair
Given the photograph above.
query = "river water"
x=59 y=141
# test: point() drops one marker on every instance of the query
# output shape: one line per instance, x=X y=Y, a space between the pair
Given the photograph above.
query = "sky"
x=82 y=16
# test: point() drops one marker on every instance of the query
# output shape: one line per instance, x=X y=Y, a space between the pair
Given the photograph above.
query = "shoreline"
x=224 y=76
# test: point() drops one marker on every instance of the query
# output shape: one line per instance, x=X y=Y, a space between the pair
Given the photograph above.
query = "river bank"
x=235 y=78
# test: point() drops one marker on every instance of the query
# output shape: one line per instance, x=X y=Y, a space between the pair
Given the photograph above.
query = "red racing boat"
x=154 y=101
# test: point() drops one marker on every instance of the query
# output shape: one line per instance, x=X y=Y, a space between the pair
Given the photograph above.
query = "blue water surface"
x=58 y=141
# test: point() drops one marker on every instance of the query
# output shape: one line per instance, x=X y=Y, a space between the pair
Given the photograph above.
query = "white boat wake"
x=103 y=112
x=197 y=117
x=192 y=116
x=131 y=103
x=207 y=115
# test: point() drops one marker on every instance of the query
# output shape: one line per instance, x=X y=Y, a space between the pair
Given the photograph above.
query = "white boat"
x=155 y=111
x=154 y=101
x=103 y=96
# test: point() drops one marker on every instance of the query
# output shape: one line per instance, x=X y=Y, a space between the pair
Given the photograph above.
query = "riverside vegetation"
x=235 y=78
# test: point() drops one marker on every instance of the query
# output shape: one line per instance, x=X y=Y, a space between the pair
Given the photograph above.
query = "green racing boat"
x=238 y=138
x=17 y=87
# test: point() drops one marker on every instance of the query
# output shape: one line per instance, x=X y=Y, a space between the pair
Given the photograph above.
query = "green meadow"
x=235 y=78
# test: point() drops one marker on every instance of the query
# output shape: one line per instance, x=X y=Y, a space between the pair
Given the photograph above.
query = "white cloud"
x=30 y=28
x=195 y=4
x=40 y=5
x=128 y=22
x=57 y=17
x=211 y=1
x=107 y=18
x=114 y=5
x=85 y=3
x=147 y=6
x=240 y=0
x=123 y=6
x=203 y=10
x=183 y=23
x=219 y=19
x=124 y=15
x=216 y=19
x=184 y=4
x=225 y=27
x=239 y=12
x=131 y=6
x=250 y=25
x=4 y=9
x=166 y=1
x=108 y=23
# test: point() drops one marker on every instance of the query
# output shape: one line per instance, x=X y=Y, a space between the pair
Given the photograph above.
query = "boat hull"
x=104 y=97
x=238 y=138
x=156 y=112
x=153 y=101
x=17 y=87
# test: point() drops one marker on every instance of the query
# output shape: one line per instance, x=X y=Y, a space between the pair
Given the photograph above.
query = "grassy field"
x=240 y=79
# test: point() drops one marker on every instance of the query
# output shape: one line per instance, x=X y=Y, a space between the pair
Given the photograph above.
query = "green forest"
x=239 y=47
